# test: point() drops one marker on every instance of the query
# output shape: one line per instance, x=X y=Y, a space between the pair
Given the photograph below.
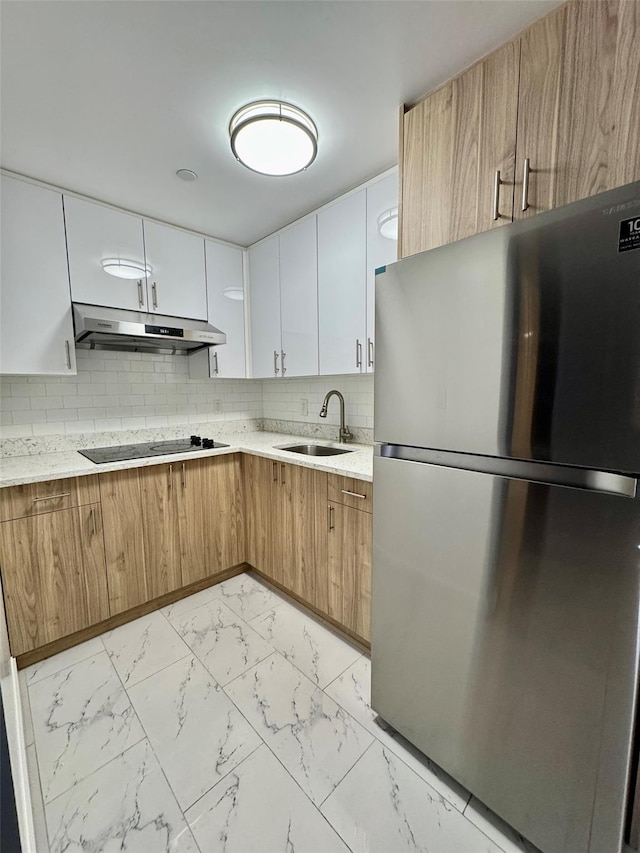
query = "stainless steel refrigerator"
x=506 y=559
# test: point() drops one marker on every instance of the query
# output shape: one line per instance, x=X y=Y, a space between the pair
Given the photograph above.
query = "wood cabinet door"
x=36 y=328
x=53 y=575
x=159 y=484
x=210 y=517
x=263 y=496
x=303 y=531
x=95 y=233
x=121 y=496
x=625 y=161
x=349 y=568
x=176 y=284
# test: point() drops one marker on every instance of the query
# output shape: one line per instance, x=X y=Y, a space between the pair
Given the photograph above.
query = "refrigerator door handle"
x=539 y=472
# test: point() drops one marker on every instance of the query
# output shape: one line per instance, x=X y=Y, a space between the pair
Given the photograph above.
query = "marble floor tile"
x=258 y=808
x=495 y=828
x=225 y=644
x=26 y=708
x=127 y=805
x=37 y=803
x=184 y=605
x=313 y=737
x=82 y=718
x=352 y=690
x=62 y=660
x=197 y=733
x=382 y=806
x=246 y=596
x=311 y=647
x=142 y=647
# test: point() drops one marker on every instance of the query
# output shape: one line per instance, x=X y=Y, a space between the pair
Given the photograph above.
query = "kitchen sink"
x=315 y=449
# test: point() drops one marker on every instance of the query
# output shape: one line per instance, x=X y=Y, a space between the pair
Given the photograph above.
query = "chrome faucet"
x=345 y=432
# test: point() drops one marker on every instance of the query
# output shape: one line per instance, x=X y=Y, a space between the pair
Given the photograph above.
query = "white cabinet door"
x=342 y=257
x=299 y=299
x=176 y=284
x=95 y=233
x=382 y=199
x=36 y=327
x=264 y=289
x=225 y=281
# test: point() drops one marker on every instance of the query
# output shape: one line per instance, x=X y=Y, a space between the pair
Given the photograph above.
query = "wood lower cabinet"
x=286 y=525
x=53 y=575
x=349 y=568
x=167 y=526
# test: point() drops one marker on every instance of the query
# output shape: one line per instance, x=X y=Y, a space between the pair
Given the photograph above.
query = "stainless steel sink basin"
x=315 y=449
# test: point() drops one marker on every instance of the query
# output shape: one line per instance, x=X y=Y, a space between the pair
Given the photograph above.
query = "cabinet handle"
x=92 y=522
x=215 y=363
x=170 y=478
x=140 y=294
x=496 y=196
x=354 y=494
x=52 y=497
x=525 y=183
x=282 y=473
x=184 y=478
x=358 y=354
x=275 y=472
x=283 y=356
x=154 y=294
x=67 y=350
x=276 y=369
x=330 y=517
x=369 y=352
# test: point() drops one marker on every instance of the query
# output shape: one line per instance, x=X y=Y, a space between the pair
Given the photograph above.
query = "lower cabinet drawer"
x=352 y=492
x=50 y=495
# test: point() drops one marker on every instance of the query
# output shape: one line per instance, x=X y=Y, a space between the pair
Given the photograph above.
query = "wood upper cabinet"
x=454 y=143
x=349 y=568
x=53 y=575
x=36 y=327
x=167 y=526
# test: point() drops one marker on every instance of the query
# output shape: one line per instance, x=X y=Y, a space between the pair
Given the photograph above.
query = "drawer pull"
x=526 y=171
x=353 y=494
x=52 y=497
x=330 y=517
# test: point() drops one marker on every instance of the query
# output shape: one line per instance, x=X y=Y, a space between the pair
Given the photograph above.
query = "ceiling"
x=110 y=98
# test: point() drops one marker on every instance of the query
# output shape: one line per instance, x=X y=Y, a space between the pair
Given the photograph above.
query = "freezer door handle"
x=538 y=472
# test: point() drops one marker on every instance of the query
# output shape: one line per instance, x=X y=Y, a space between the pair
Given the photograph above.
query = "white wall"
x=121 y=390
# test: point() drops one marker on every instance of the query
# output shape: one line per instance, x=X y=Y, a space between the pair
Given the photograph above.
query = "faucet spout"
x=345 y=432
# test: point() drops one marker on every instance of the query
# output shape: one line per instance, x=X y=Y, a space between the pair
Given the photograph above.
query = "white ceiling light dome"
x=235 y=293
x=125 y=268
x=388 y=223
x=273 y=138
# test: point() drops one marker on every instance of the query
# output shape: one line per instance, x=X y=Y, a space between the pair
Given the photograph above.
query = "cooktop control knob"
x=196 y=440
x=207 y=443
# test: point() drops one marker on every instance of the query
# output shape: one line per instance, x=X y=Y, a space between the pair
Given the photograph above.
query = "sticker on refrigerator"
x=629 y=234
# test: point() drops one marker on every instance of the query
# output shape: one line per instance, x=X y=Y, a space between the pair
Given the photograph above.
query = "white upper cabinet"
x=94 y=234
x=225 y=297
x=299 y=299
x=176 y=284
x=342 y=256
x=264 y=283
x=36 y=327
x=382 y=202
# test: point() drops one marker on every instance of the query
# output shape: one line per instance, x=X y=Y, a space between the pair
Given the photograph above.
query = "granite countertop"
x=18 y=470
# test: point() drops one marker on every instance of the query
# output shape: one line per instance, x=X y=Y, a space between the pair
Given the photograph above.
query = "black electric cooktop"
x=121 y=452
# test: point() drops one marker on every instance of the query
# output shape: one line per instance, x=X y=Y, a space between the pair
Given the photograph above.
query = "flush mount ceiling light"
x=235 y=293
x=273 y=138
x=125 y=268
x=388 y=223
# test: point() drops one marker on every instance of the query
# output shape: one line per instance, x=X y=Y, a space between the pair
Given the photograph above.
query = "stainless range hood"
x=136 y=331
